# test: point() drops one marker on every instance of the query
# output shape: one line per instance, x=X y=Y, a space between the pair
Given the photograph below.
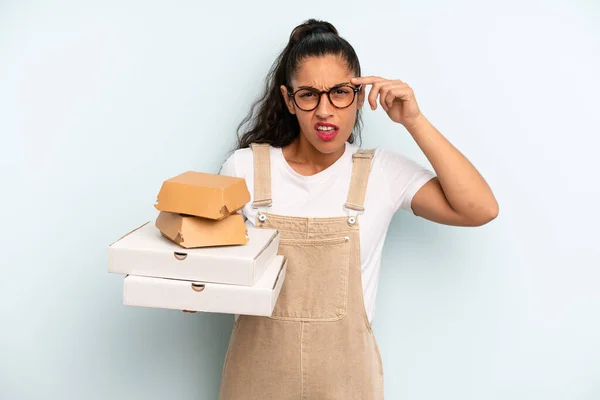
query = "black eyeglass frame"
x=320 y=93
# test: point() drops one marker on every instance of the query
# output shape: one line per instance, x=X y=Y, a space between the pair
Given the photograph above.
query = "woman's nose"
x=325 y=108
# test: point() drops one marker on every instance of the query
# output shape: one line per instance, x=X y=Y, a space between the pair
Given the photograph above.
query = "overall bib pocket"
x=316 y=284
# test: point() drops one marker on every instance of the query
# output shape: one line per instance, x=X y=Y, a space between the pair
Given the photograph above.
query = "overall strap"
x=361 y=167
x=262 y=175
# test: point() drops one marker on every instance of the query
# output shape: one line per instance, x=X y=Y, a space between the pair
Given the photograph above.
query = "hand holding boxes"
x=200 y=255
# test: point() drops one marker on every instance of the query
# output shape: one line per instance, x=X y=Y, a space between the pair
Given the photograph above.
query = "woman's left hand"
x=396 y=98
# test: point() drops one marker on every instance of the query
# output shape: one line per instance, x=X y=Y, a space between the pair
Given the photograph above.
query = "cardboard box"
x=191 y=232
x=145 y=252
x=204 y=195
x=259 y=299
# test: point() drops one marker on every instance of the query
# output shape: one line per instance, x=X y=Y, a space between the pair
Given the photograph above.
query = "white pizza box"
x=146 y=252
x=177 y=294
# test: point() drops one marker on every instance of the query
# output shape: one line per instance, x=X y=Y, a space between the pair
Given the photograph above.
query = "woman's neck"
x=306 y=160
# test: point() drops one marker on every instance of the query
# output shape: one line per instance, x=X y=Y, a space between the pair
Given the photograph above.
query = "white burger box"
x=146 y=252
x=176 y=294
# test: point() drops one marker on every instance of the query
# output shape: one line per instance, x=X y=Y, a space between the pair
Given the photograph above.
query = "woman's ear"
x=288 y=100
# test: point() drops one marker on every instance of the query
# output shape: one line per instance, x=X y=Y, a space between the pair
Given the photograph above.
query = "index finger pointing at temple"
x=366 y=80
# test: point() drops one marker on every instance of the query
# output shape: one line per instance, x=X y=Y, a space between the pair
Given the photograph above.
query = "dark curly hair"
x=269 y=120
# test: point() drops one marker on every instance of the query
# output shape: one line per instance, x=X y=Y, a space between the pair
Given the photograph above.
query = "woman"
x=332 y=203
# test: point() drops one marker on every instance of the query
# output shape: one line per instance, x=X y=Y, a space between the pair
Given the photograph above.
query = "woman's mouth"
x=326 y=131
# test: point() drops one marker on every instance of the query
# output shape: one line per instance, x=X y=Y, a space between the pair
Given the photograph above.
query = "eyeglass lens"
x=341 y=97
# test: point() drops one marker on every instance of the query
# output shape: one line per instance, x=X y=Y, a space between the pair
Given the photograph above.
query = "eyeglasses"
x=341 y=96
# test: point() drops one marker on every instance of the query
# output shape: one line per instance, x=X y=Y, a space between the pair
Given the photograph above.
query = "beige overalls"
x=318 y=344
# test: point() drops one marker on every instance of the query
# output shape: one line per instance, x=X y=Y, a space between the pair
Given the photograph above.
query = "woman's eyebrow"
x=333 y=87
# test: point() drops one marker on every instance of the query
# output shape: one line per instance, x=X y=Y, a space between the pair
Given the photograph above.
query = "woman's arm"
x=459 y=195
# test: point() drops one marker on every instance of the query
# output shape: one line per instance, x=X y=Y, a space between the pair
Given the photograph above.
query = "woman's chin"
x=328 y=145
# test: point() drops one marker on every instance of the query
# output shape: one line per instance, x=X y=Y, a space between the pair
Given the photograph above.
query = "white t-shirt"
x=393 y=181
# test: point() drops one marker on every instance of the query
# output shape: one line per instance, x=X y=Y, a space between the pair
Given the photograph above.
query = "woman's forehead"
x=322 y=72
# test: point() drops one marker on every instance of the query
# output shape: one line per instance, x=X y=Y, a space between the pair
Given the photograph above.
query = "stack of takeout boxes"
x=199 y=255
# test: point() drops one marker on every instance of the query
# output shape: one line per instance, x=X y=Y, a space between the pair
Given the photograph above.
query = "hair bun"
x=311 y=27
